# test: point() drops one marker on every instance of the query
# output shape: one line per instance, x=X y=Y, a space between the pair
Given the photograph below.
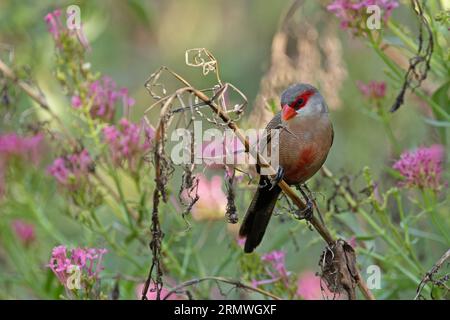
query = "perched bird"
x=305 y=138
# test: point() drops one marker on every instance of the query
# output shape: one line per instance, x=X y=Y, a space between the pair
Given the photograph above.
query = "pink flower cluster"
x=88 y=261
x=102 y=96
x=70 y=171
x=24 y=231
x=127 y=142
x=13 y=146
x=352 y=13
x=58 y=31
x=373 y=90
x=309 y=287
x=212 y=201
x=54 y=25
x=422 y=167
x=275 y=267
x=151 y=293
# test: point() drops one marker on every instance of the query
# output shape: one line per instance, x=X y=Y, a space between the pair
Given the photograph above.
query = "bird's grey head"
x=302 y=100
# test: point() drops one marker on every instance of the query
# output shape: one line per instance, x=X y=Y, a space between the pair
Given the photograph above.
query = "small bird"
x=305 y=138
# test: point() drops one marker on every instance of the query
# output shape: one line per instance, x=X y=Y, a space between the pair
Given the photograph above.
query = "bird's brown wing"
x=260 y=210
x=273 y=124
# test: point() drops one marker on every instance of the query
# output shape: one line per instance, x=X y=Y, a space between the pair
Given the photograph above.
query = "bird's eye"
x=298 y=103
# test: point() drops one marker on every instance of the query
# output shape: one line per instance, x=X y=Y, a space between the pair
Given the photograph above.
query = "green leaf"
x=436 y=123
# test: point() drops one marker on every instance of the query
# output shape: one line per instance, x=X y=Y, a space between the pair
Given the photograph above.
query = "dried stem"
x=430 y=274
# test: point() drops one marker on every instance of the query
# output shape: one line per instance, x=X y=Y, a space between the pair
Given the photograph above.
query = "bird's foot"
x=278 y=177
x=306 y=213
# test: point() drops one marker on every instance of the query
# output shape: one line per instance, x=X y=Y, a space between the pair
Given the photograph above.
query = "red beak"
x=288 y=112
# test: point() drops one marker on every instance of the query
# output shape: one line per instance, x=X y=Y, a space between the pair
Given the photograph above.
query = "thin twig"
x=429 y=275
x=34 y=95
x=236 y=283
x=9 y=73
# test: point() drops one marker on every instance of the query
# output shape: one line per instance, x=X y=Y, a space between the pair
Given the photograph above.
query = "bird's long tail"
x=258 y=214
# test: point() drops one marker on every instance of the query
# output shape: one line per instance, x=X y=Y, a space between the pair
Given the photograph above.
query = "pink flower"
x=127 y=141
x=59 y=31
x=24 y=231
x=422 y=167
x=241 y=242
x=151 y=293
x=54 y=25
x=76 y=102
x=14 y=147
x=218 y=152
x=87 y=260
x=72 y=170
x=277 y=259
x=275 y=267
x=353 y=13
x=373 y=90
x=212 y=201
x=104 y=96
x=309 y=288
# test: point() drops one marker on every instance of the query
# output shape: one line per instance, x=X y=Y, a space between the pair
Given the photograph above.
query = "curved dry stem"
x=235 y=283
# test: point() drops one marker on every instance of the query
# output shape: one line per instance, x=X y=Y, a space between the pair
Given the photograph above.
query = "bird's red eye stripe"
x=301 y=100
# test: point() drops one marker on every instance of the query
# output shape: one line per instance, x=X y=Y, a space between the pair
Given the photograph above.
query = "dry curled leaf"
x=338 y=269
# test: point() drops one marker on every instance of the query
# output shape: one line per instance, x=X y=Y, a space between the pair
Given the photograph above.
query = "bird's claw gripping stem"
x=278 y=177
x=306 y=213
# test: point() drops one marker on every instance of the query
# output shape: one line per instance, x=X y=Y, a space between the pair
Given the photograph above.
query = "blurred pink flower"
x=29 y=148
x=277 y=259
x=151 y=293
x=87 y=260
x=422 y=167
x=58 y=30
x=308 y=288
x=103 y=95
x=373 y=90
x=24 y=231
x=76 y=102
x=54 y=25
x=14 y=147
x=241 y=242
x=127 y=141
x=352 y=13
x=212 y=200
x=72 y=170
x=218 y=152
x=352 y=242
x=275 y=267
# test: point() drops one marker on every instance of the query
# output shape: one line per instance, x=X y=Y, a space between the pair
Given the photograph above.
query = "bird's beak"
x=288 y=112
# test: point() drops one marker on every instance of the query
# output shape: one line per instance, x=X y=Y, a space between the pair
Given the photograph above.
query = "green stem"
x=122 y=198
x=438 y=223
x=390 y=133
x=405 y=225
x=396 y=265
x=382 y=232
x=106 y=235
